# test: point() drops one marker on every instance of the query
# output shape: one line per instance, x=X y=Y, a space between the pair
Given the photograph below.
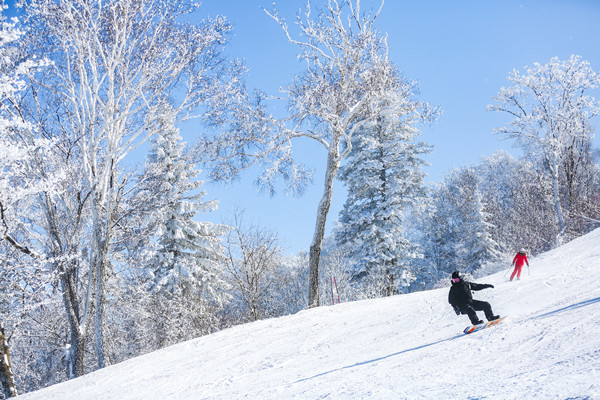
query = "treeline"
x=397 y=236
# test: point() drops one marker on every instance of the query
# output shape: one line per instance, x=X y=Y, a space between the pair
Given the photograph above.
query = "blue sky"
x=460 y=52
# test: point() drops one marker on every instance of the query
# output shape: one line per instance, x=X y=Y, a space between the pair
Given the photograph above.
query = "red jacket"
x=520 y=259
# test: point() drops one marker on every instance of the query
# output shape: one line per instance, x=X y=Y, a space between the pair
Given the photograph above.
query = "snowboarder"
x=461 y=299
x=518 y=261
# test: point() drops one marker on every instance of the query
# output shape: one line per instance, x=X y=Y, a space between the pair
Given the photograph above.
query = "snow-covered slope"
x=404 y=347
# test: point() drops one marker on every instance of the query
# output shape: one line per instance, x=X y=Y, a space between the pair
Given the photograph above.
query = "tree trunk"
x=68 y=282
x=76 y=351
x=102 y=235
x=101 y=305
x=7 y=379
x=559 y=213
x=102 y=242
x=333 y=164
x=75 y=354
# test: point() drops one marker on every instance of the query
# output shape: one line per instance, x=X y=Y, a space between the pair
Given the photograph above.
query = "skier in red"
x=518 y=261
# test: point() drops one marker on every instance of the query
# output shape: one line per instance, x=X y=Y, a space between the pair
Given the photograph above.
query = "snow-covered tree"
x=551 y=111
x=518 y=203
x=189 y=251
x=21 y=278
x=457 y=232
x=114 y=66
x=188 y=265
x=475 y=246
x=7 y=379
x=384 y=177
x=253 y=258
x=348 y=82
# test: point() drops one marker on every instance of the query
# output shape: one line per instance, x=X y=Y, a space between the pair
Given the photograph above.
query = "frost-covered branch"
x=6 y=236
x=551 y=114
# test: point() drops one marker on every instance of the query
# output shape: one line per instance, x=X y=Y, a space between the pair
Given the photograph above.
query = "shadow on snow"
x=569 y=308
x=358 y=364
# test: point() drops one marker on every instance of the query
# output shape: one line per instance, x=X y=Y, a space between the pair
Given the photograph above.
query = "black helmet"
x=456 y=277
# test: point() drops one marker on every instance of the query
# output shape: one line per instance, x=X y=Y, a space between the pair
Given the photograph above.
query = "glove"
x=489 y=286
x=456 y=310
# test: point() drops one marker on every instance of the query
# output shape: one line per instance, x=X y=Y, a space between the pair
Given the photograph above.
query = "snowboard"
x=475 y=328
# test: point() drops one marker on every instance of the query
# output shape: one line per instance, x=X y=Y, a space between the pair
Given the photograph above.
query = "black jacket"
x=460 y=293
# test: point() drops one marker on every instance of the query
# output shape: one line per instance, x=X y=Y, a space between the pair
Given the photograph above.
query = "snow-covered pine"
x=457 y=235
x=188 y=265
x=384 y=178
x=475 y=245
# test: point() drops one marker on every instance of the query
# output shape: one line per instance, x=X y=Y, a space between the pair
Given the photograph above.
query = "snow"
x=403 y=347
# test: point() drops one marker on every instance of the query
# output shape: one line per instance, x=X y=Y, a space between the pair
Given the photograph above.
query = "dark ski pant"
x=477 y=305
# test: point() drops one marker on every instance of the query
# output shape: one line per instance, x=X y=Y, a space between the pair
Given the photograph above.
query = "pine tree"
x=384 y=178
x=458 y=235
x=476 y=246
x=188 y=263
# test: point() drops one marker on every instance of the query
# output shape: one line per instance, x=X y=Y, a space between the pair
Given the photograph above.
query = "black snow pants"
x=477 y=305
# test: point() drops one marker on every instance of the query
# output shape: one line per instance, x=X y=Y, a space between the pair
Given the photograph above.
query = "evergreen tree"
x=188 y=263
x=437 y=232
x=458 y=235
x=475 y=246
x=384 y=179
